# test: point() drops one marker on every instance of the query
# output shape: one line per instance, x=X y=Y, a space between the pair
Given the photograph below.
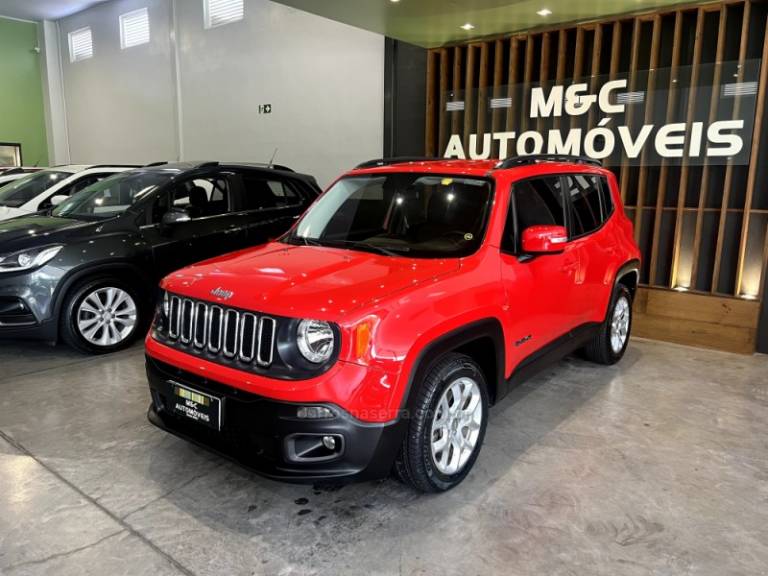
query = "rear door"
x=213 y=227
x=270 y=203
x=589 y=207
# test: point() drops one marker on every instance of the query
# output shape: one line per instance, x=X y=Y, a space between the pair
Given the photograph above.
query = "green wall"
x=22 y=118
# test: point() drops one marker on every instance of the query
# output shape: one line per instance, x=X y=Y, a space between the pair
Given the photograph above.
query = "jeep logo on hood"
x=221 y=293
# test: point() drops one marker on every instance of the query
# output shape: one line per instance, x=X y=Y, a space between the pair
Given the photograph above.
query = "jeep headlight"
x=315 y=340
x=28 y=259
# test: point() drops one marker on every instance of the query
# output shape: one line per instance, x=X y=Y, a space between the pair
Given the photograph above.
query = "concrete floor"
x=656 y=466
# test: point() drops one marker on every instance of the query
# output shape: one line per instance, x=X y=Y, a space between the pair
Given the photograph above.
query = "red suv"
x=408 y=299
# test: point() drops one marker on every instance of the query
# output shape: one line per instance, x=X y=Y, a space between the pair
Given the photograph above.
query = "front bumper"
x=262 y=433
x=26 y=301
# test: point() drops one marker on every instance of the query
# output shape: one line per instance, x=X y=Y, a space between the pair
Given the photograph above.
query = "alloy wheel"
x=107 y=316
x=620 y=324
x=456 y=425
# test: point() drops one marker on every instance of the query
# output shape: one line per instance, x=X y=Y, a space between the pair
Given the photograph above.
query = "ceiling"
x=43 y=9
x=431 y=23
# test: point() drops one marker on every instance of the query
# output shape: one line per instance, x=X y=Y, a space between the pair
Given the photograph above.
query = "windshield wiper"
x=372 y=247
x=333 y=243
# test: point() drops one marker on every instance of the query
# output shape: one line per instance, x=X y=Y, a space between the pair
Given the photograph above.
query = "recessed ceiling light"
x=468 y=26
x=544 y=12
x=394 y=1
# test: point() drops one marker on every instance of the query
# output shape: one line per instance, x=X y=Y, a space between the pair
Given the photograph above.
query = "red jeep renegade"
x=407 y=300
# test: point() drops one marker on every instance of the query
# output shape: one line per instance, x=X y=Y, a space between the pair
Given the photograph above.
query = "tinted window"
x=111 y=196
x=21 y=191
x=537 y=202
x=261 y=192
x=202 y=197
x=418 y=215
x=586 y=211
x=74 y=188
x=605 y=190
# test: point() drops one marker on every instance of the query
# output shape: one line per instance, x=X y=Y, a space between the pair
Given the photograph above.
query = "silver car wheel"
x=106 y=316
x=620 y=324
x=456 y=425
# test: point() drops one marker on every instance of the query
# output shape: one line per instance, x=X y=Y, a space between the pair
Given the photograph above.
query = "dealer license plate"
x=197 y=406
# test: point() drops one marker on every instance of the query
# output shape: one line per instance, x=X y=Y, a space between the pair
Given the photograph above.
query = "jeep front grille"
x=220 y=333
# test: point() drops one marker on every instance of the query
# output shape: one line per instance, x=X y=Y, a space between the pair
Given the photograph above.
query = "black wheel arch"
x=629 y=275
x=127 y=271
x=473 y=340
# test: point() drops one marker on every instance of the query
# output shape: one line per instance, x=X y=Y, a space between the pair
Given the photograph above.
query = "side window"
x=586 y=209
x=535 y=202
x=201 y=197
x=608 y=205
x=261 y=192
x=74 y=188
x=84 y=182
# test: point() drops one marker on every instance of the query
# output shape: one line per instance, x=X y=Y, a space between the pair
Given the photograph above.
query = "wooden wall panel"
x=700 y=227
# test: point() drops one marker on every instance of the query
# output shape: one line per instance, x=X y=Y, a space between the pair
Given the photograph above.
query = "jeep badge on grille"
x=221 y=293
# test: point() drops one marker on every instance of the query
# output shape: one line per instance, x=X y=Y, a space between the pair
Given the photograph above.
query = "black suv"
x=86 y=270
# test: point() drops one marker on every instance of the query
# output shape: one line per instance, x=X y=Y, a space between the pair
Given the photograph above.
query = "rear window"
x=262 y=193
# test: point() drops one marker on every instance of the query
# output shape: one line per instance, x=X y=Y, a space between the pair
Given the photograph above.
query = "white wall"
x=53 y=94
x=194 y=93
x=120 y=103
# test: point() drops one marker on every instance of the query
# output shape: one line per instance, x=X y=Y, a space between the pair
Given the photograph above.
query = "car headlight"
x=28 y=259
x=315 y=340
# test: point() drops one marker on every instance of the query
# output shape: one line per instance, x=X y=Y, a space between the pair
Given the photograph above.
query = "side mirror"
x=544 y=239
x=56 y=200
x=175 y=216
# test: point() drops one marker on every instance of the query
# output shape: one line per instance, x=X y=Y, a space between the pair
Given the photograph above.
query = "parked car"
x=406 y=301
x=44 y=189
x=86 y=272
x=9 y=174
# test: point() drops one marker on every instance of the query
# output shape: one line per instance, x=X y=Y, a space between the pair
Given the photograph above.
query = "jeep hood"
x=305 y=281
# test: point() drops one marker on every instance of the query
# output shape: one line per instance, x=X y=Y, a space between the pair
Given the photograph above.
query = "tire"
x=608 y=345
x=417 y=463
x=126 y=315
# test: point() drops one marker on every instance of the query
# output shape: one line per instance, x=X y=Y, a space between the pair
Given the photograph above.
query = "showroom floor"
x=659 y=465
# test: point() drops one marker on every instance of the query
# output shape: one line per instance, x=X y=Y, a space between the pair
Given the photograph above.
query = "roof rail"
x=211 y=164
x=395 y=160
x=158 y=163
x=272 y=166
x=536 y=158
x=113 y=166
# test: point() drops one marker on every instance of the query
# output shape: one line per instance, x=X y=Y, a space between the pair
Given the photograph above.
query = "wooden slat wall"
x=702 y=228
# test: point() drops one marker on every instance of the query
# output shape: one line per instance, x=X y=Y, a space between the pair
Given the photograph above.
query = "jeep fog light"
x=314 y=412
x=315 y=340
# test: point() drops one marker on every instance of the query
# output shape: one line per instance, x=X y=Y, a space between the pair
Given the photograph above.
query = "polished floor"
x=656 y=466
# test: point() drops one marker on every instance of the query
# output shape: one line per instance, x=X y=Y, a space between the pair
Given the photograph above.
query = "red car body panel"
x=411 y=302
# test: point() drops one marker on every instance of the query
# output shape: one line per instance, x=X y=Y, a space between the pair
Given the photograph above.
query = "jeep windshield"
x=399 y=214
x=19 y=192
x=112 y=196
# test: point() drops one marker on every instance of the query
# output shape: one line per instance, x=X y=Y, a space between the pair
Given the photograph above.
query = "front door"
x=539 y=288
x=208 y=225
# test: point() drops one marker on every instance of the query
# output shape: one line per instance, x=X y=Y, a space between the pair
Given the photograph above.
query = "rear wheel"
x=101 y=316
x=609 y=345
x=447 y=428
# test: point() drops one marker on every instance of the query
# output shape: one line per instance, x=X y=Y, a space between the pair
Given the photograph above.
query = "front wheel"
x=610 y=343
x=447 y=427
x=101 y=316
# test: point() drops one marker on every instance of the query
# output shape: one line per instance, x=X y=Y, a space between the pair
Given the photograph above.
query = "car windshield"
x=111 y=196
x=401 y=214
x=19 y=192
